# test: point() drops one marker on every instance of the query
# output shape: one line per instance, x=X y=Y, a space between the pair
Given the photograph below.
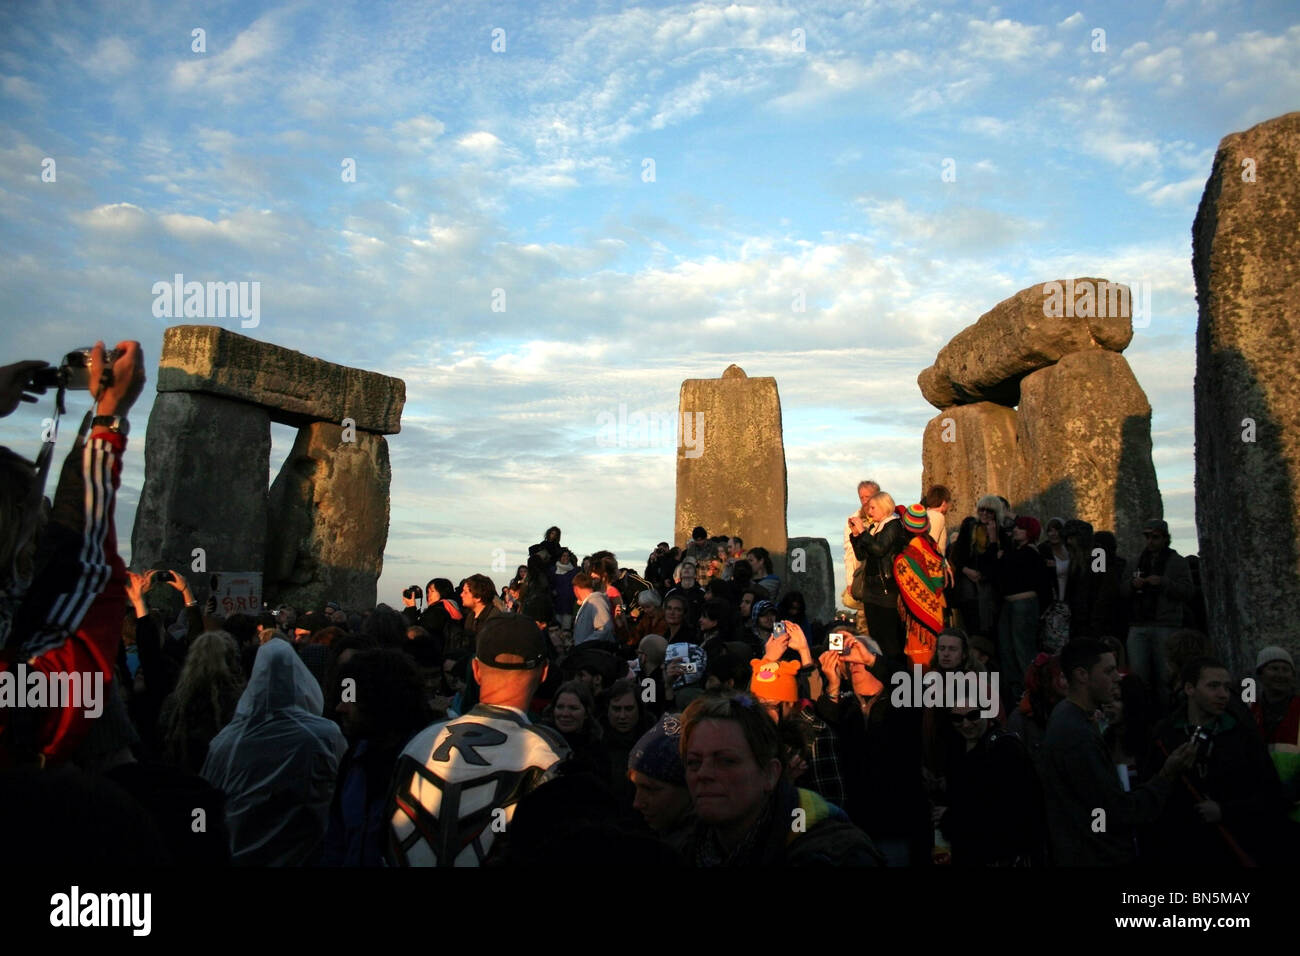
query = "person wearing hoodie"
x=276 y=762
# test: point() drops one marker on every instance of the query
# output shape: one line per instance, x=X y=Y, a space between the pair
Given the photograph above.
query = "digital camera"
x=73 y=372
x=837 y=642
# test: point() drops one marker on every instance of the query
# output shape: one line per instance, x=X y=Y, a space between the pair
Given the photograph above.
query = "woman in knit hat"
x=919 y=573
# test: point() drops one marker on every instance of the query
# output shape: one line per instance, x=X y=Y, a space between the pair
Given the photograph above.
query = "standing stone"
x=1034 y=328
x=329 y=520
x=733 y=482
x=206 y=462
x=815 y=580
x=1246 y=260
x=970 y=449
x=1084 y=447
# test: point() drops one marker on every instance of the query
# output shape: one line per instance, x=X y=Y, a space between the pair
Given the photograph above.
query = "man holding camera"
x=62 y=589
x=1229 y=808
x=1090 y=816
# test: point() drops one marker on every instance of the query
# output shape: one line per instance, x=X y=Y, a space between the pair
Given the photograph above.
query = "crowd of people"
x=691 y=711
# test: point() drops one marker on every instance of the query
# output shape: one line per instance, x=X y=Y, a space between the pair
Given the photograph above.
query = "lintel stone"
x=296 y=389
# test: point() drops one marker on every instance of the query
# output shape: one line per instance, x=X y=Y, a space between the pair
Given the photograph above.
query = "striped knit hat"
x=916 y=520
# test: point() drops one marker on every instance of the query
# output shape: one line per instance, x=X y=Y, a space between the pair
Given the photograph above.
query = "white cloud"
x=481 y=142
x=1007 y=41
x=118 y=217
x=229 y=72
x=22 y=89
x=111 y=58
x=1073 y=20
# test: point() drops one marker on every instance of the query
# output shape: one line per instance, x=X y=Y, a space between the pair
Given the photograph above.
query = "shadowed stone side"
x=205 y=465
x=1246 y=261
x=1084 y=447
x=295 y=388
x=737 y=484
x=986 y=361
x=329 y=520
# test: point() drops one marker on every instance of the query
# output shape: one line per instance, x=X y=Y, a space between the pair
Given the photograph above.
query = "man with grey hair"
x=866 y=489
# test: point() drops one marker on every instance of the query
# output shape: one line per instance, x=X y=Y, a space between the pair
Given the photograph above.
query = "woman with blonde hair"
x=203 y=701
x=876 y=546
x=975 y=558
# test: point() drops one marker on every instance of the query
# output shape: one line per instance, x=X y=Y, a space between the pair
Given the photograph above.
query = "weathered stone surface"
x=205 y=468
x=1084 y=447
x=736 y=485
x=987 y=360
x=1246 y=260
x=971 y=449
x=816 y=579
x=295 y=388
x=329 y=519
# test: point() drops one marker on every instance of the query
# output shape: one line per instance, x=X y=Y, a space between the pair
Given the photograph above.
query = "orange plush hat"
x=774 y=680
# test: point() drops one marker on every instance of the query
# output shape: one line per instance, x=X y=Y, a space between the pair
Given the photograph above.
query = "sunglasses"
x=971 y=715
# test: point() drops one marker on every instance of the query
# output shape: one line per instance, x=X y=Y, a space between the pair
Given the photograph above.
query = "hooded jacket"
x=276 y=761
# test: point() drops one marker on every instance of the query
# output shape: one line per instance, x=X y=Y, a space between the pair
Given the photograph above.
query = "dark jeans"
x=1017 y=641
x=886 y=628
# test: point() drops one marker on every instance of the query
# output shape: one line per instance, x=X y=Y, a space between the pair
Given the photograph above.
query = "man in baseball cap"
x=458 y=781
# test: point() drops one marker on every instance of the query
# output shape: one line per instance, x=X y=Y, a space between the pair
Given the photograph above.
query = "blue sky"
x=775 y=169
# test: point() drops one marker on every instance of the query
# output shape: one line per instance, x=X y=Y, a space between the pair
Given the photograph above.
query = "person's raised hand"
x=856 y=652
x=675 y=670
x=16 y=384
x=776 y=646
x=856 y=525
x=128 y=378
x=796 y=638
x=829 y=662
x=136 y=585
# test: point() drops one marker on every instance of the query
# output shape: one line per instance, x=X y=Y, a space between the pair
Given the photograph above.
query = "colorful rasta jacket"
x=919 y=573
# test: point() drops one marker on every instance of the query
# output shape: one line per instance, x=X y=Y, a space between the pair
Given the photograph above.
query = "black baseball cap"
x=511 y=634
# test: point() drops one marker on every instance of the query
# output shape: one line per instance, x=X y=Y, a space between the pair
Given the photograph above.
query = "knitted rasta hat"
x=915 y=519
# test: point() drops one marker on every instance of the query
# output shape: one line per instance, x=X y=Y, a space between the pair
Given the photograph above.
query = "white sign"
x=237 y=592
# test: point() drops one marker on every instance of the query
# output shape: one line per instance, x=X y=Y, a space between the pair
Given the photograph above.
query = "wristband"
x=114 y=423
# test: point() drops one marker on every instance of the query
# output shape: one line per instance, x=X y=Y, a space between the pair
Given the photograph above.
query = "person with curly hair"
x=203 y=701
